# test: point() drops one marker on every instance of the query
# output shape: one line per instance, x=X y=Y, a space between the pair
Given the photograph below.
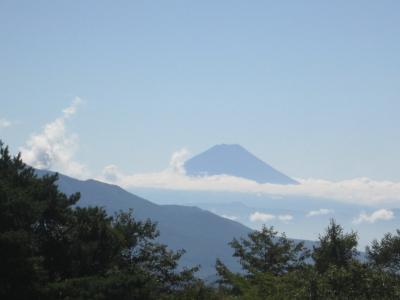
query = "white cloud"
x=4 y=123
x=319 y=212
x=111 y=173
x=71 y=110
x=379 y=215
x=54 y=148
x=261 y=217
x=177 y=161
x=233 y=218
x=264 y=217
x=285 y=218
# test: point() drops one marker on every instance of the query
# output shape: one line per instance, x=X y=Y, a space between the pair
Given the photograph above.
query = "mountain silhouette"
x=236 y=161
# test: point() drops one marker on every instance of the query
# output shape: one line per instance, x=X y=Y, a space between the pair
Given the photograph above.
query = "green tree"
x=386 y=252
x=32 y=211
x=282 y=273
x=266 y=259
x=265 y=251
x=335 y=248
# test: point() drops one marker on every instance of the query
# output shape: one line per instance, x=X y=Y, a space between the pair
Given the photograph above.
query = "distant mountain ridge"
x=204 y=235
x=236 y=161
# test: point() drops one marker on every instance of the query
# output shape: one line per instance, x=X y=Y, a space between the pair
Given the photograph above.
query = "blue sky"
x=311 y=87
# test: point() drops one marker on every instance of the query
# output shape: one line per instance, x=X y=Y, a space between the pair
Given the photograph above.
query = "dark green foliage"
x=32 y=214
x=276 y=270
x=335 y=248
x=266 y=258
x=386 y=253
x=265 y=251
x=50 y=249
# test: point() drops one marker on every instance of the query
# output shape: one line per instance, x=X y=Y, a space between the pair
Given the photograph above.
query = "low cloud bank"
x=359 y=190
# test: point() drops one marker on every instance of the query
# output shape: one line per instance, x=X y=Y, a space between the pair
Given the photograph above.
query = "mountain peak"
x=234 y=160
x=228 y=146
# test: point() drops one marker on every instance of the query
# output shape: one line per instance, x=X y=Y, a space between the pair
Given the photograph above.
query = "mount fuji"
x=236 y=161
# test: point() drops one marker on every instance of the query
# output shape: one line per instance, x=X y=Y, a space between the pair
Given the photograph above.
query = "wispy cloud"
x=319 y=212
x=233 y=218
x=4 y=123
x=379 y=215
x=265 y=217
x=54 y=148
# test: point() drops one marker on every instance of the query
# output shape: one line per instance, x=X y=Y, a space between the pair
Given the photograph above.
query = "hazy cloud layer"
x=319 y=212
x=379 y=215
x=54 y=147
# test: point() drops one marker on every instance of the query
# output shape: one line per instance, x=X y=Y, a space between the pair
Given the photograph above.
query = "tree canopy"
x=276 y=268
